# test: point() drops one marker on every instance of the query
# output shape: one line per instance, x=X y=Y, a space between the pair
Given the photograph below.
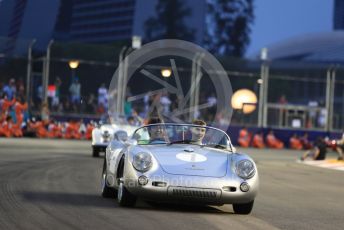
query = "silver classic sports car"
x=179 y=163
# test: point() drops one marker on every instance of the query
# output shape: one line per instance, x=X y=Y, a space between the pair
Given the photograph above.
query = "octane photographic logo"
x=188 y=105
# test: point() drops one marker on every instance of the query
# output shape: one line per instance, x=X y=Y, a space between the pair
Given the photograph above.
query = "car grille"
x=199 y=193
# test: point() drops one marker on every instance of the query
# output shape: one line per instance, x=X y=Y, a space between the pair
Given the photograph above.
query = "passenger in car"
x=198 y=133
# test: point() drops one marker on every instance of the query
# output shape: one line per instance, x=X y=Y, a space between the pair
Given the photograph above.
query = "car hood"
x=192 y=160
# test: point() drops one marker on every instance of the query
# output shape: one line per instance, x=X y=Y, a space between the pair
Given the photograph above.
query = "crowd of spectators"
x=316 y=150
x=15 y=120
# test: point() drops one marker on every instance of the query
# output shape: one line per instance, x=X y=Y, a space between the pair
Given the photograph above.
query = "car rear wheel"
x=243 y=208
x=95 y=152
x=107 y=192
x=124 y=197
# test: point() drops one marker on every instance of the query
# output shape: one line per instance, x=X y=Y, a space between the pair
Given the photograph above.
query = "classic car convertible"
x=102 y=134
x=179 y=163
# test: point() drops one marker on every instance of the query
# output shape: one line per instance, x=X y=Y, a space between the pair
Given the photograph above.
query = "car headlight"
x=142 y=161
x=245 y=169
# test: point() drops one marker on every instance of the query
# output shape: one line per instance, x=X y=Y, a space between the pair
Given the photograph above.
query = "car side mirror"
x=130 y=142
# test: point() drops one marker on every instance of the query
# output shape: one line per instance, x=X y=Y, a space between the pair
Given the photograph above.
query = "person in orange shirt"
x=19 y=107
x=6 y=127
x=5 y=105
x=295 y=142
x=273 y=142
x=89 y=128
x=54 y=129
x=17 y=130
x=244 y=137
x=72 y=130
x=39 y=129
x=258 y=140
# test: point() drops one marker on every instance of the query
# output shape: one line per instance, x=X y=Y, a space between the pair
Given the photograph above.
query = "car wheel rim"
x=120 y=192
x=103 y=181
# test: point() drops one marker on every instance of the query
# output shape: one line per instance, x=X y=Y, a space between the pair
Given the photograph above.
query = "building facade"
x=338 y=15
x=89 y=21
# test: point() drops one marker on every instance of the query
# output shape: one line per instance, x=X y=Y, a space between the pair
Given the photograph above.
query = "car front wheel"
x=107 y=191
x=124 y=197
x=243 y=208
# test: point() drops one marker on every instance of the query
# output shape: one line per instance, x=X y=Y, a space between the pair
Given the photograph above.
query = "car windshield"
x=169 y=134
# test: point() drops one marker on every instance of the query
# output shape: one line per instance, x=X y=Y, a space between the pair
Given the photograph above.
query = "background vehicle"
x=104 y=133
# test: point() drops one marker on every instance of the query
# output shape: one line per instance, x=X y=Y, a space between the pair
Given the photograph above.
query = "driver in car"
x=157 y=133
x=198 y=133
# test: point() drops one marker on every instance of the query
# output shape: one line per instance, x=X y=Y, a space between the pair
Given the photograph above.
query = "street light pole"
x=265 y=92
x=46 y=72
x=28 y=74
x=120 y=81
x=330 y=87
x=263 y=88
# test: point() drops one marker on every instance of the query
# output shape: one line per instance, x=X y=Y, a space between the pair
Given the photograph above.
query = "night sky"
x=277 y=20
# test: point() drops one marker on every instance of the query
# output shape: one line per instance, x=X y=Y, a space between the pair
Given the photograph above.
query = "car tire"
x=107 y=191
x=243 y=208
x=95 y=152
x=124 y=197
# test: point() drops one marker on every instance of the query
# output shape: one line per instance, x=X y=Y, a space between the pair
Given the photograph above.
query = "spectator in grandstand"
x=90 y=104
x=72 y=130
x=282 y=101
x=295 y=142
x=90 y=126
x=244 y=137
x=318 y=152
x=38 y=128
x=20 y=88
x=74 y=91
x=10 y=89
x=273 y=142
x=135 y=119
x=258 y=140
x=6 y=127
x=55 y=129
x=20 y=107
x=5 y=107
x=102 y=96
x=127 y=107
x=56 y=99
x=165 y=102
x=45 y=113
x=82 y=128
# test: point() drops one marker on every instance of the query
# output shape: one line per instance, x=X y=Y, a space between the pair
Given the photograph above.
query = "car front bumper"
x=167 y=187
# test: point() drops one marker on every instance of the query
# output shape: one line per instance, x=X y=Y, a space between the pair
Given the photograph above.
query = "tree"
x=228 y=26
x=169 y=22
